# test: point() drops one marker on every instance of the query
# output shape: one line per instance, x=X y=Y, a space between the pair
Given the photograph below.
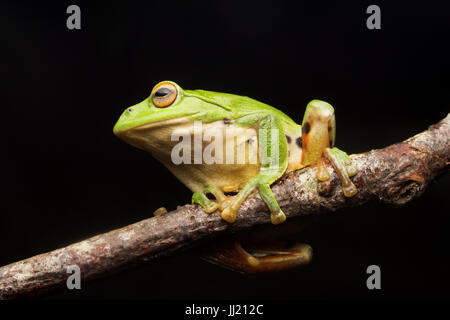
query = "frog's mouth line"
x=162 y=123
x=168 y=123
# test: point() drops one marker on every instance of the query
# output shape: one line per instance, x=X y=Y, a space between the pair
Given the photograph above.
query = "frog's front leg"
x=318 y=137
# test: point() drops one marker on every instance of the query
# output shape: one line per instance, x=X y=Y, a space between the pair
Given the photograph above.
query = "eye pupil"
x=161 y=92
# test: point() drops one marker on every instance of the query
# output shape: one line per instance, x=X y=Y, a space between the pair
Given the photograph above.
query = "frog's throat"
x=154 y=135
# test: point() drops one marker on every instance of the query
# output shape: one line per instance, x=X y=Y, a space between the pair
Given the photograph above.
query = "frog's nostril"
x=130 y=110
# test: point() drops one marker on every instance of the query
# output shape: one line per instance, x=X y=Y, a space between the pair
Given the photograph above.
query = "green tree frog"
x=268 y=142
x=150 y=126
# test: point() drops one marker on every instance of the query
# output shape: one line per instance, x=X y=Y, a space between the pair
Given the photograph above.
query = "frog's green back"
x=240 y=106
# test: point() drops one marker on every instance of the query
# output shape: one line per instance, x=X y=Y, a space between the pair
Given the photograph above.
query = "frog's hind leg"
x=266 y=248
x=273 y=164
x=229 y=253
x=318 y=137
x=344 y=168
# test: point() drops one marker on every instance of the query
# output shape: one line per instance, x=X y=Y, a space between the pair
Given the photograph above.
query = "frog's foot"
x=231 y=208
x=229 y=205
x=343 y=166
x=230 y=254
x=221 y=202
x=160 y=211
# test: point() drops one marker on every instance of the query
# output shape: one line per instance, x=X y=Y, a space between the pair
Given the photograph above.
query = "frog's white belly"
x=226 y=161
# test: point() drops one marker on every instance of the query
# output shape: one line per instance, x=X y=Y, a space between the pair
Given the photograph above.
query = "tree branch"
x=394 y=175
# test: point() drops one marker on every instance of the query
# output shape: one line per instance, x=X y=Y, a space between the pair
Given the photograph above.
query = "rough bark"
x=394 y=175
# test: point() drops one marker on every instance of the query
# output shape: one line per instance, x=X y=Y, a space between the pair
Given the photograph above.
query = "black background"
x=68 y=177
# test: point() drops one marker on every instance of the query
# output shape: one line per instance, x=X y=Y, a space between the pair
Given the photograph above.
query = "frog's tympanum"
x=266 y=142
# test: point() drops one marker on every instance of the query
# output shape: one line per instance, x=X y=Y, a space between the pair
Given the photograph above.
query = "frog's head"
x=167 y=108
x=169 y=101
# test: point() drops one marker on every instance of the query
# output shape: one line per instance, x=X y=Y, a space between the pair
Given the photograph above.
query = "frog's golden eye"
x=164 y=94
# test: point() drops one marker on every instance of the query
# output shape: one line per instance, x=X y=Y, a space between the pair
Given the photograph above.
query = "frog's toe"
x=229 y=214
x=208 y=205
x=344 y=168
x=226 y=204
x=160 y=211
x=349 y=190
x=352 y=170
x=277 y=217
x=211 y=207
x=322 y=171
x=343 y=157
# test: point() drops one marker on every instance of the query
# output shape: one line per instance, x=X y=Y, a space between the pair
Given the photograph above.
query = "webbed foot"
x=230 y=253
